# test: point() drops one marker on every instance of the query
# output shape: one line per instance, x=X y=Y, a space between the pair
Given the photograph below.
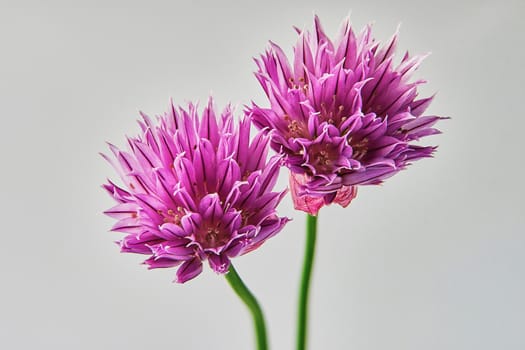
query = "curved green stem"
x=302 y=315
x=247 y=297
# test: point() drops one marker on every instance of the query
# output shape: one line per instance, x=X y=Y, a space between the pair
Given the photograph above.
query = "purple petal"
x=219 y=263
x=160 y=263
x=188 y=270
x=123 y=210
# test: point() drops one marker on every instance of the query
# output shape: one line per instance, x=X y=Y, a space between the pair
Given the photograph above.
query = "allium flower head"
x=343 y=113
x=195 y=189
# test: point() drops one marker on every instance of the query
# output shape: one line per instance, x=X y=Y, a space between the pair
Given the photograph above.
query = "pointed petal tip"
x=398 y=28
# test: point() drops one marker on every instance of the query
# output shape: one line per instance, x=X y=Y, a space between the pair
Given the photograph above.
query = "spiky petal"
x=342 y=113
x=194 y=189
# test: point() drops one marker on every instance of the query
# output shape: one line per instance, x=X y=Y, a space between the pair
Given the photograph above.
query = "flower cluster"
x=195 y=189
x=342 y=113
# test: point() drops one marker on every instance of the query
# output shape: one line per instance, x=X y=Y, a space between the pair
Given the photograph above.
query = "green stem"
x=247 y=297
x=302 y=320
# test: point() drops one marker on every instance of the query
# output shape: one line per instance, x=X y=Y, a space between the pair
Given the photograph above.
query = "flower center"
x=212 y=237
x=299 y=84
x=172 y=216
x=332 y=112
x=295 y=128
x=359 y=148
x=322 y=158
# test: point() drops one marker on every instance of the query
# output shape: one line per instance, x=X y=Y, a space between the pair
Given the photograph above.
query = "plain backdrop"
x=433 y=259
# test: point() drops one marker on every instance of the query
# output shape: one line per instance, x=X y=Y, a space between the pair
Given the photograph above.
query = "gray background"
x=433 y=259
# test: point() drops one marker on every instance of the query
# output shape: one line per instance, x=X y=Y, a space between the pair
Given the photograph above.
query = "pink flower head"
x=195 y=189
x=342 y=113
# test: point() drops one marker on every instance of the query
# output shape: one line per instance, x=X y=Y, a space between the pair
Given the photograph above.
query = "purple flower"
x=342 y=113
x=195 y=189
